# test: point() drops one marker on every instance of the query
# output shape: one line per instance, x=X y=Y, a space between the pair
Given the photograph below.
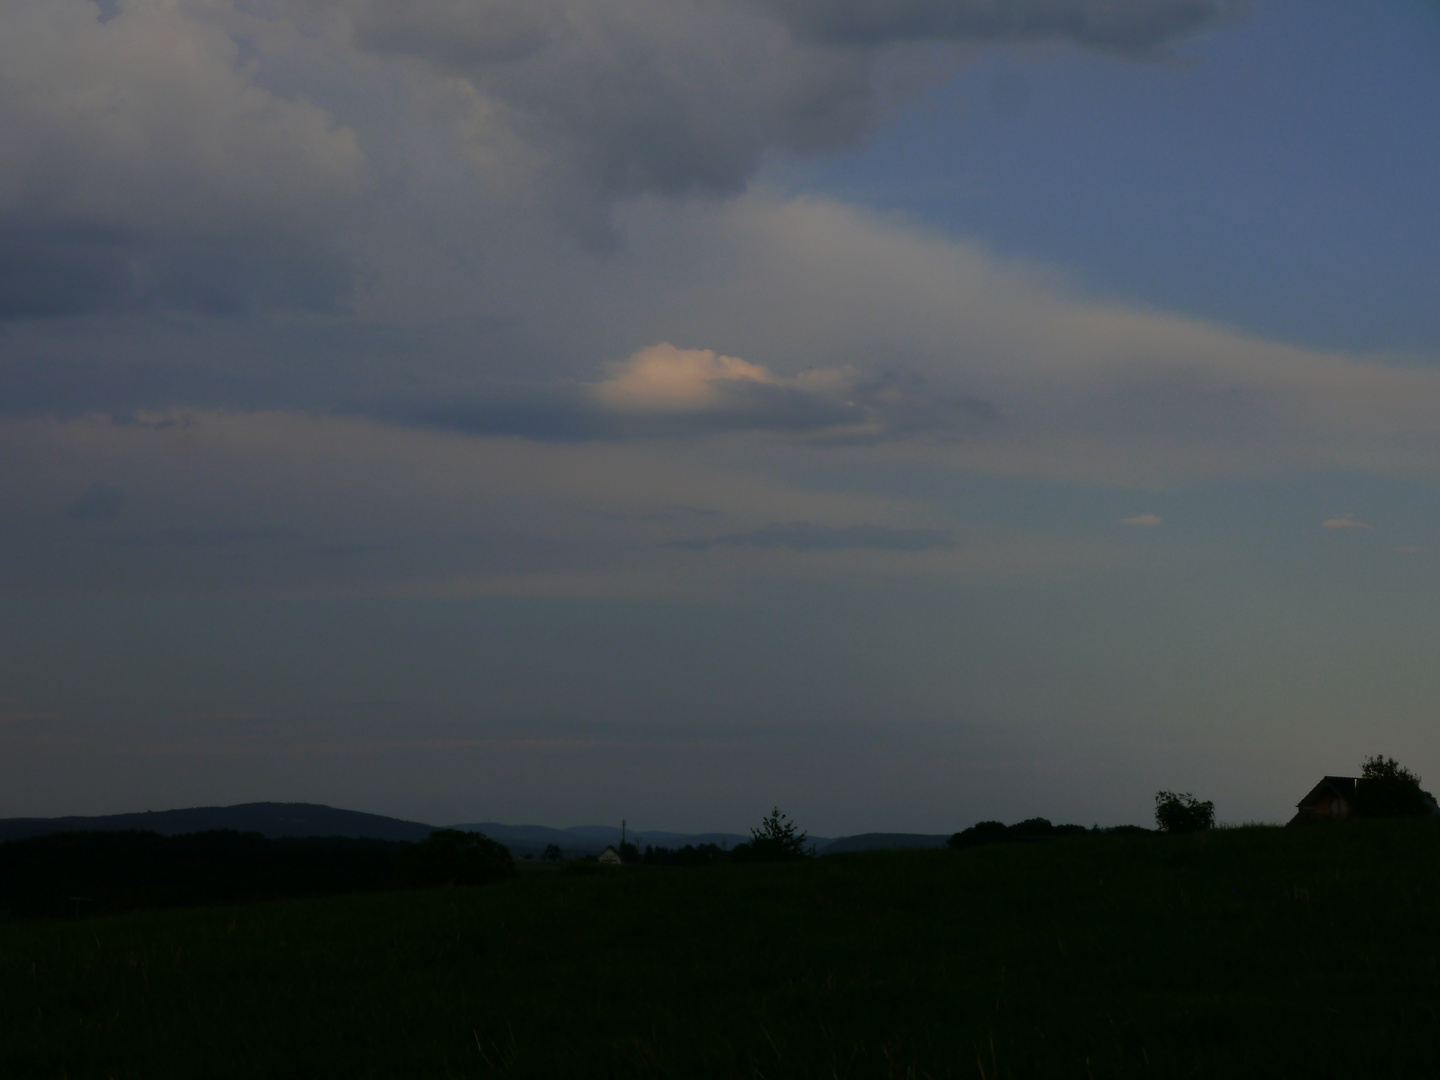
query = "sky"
x=560 y=411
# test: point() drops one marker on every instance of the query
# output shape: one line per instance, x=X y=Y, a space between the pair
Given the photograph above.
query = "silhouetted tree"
x=774 y=841
x=1182 y=812
x=552 y=853
x=1388 y=789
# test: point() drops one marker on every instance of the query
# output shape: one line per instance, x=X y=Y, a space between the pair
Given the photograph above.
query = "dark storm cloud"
x=69 y=272
x=651 y=96
x=1132 y=26
x=43 y=378
x=52 y=275
x=905 y=403
x=145 y=167
x=199 y=187
x=482 y=31
x=808 y=536
x=675 y=96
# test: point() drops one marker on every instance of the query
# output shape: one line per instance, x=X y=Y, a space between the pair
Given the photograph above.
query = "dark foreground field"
x=1251 y=952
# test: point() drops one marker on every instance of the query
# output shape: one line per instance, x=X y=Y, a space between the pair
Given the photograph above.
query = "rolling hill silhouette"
x=271 y=820
x=294 y=820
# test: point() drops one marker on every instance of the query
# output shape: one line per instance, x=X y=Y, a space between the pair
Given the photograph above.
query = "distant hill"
x=277 y=820
x=271 y=820
x=883 y=841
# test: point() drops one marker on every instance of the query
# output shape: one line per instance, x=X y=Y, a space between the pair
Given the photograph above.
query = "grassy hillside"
x=1252 y=952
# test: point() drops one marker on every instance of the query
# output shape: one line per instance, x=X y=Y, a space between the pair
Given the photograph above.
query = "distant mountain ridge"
x=276 y=820
x=269 y=819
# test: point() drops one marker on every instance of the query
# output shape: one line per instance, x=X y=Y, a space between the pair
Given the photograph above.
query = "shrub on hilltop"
x=1388 y=789
x=1175 y=813
x=1028 y=831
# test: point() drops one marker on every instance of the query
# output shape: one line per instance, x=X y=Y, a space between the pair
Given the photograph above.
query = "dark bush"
x=993 y=832
x=982 y=832
x=1388 y=789
x=453 y=857
x=1183 y=812
x=1040 y=829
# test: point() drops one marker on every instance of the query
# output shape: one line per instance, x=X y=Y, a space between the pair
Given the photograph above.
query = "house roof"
x=1343 y=786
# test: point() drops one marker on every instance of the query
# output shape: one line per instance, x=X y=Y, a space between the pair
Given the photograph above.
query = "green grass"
x=1247 y=952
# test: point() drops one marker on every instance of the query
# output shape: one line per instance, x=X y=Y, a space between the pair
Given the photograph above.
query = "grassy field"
x=1246 y=952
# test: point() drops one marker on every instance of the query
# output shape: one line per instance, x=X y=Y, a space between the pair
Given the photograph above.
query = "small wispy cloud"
x=1349 y=521
x=1143 y=521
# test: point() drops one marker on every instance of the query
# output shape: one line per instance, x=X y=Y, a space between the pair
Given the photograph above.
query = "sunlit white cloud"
x=665 y=378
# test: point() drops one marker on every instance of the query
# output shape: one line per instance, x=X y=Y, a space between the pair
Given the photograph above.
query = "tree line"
x=100 y=873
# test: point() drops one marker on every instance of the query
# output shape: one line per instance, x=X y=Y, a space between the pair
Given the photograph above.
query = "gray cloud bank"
x=226 y=156
x=146 y=164
x=332 y=275
x=675 y=95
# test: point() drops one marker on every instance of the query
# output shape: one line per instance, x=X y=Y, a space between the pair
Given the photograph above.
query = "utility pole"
x=622 y=832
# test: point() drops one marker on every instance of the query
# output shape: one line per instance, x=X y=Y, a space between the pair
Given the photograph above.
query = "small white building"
x=610 y=857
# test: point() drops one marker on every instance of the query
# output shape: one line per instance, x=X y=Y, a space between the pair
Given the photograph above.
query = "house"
x=1328 y=800
x=610 y=857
